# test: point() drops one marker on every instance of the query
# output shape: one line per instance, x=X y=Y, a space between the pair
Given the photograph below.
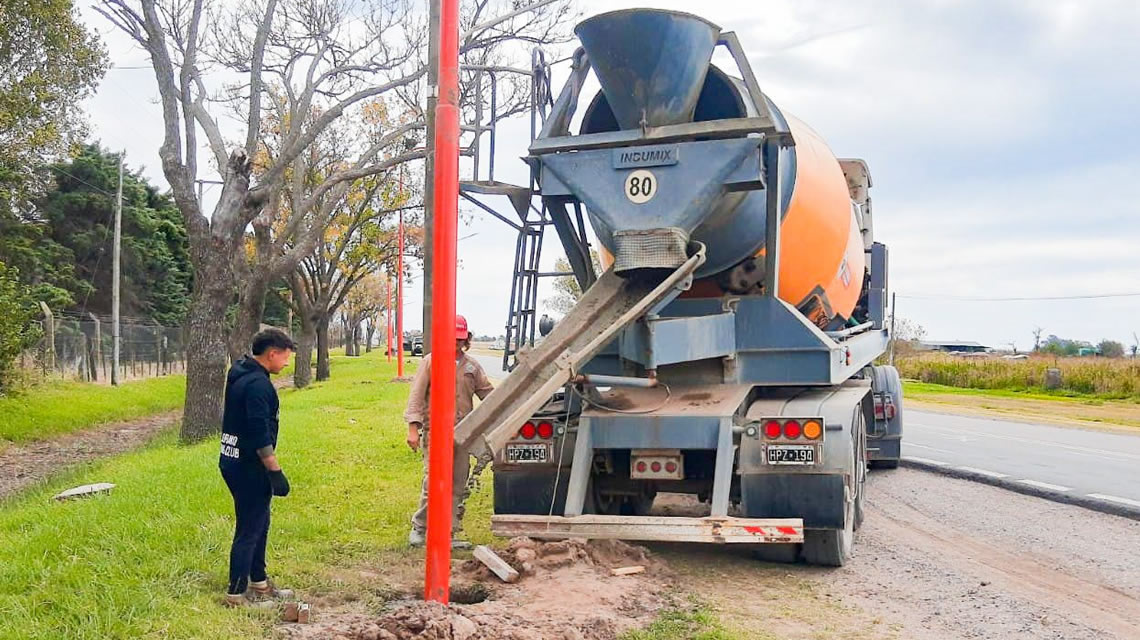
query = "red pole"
x=442 y=414
x=400 y=304
x=388 y=310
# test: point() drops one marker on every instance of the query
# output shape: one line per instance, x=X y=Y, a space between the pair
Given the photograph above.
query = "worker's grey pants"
x=461 y=469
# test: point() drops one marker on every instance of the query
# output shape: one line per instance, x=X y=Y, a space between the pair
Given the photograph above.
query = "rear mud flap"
x=530 y=491
x=818 y=499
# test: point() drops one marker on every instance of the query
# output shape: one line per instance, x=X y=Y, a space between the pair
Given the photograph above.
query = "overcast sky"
x=1001 y=135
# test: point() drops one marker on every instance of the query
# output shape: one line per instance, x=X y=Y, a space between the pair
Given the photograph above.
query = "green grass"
x=921 y=388
x=149 y=559
x=1103 y=378
x=696 y=622
x=57 y=408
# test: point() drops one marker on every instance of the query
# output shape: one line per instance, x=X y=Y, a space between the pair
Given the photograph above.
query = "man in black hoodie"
x=249 y=464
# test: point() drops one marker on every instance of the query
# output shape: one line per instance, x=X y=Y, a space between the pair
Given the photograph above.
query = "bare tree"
x=285 y=234
x=323 y=55
x=567 y=291
x=1037 y=338
x=361 y=241
x=362 y=306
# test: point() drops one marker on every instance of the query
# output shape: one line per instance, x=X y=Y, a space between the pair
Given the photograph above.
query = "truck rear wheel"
x=832 y=547
x=886 y=380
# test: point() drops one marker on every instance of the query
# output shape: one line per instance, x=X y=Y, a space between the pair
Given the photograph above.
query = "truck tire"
x=832 y=547
x=886 y=379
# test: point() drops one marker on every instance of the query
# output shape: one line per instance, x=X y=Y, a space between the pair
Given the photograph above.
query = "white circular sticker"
x=640 y=186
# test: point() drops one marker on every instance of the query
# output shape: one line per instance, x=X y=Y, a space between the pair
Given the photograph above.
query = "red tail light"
x=772 y=429
x=545 y=430
x=884 y=408
x=656 y=466
x=791 y=429
x=671 y=467
x=528 y=431
x=641 y=466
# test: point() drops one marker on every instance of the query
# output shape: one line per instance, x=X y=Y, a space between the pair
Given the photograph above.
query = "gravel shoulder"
x=947 y=558
x=938 y=559
x=1101 y=415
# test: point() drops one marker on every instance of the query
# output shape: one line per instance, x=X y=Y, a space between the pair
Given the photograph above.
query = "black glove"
x=279 y=483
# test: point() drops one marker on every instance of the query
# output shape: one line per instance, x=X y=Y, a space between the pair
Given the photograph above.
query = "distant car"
x=1016 y=356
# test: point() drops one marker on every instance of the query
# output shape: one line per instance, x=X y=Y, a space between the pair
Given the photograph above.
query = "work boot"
x=266 y=590
x=461 y=545
x=416 y=538
x=248 y=599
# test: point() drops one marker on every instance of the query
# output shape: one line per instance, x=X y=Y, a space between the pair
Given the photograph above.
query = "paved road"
x=493 y=365
x=1075 y=461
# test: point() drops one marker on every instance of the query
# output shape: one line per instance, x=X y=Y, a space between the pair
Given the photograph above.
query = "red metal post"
x=442 y=413
x=388 y=312
x=400 y=303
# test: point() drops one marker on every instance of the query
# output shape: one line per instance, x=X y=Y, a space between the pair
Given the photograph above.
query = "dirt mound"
x=433 y=621
x=566 y=593
x=529 y=556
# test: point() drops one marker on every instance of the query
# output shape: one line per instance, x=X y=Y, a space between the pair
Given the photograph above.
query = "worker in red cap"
x=470 y=381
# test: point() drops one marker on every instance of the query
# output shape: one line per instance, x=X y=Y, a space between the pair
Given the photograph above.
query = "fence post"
x=97 y=351
x=83 y=372
x=157 y=351
x=49 y=325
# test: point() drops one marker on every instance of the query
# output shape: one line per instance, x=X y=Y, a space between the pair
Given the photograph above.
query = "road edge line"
x=1013 y=484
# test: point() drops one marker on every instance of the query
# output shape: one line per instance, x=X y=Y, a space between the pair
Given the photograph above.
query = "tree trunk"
x=250 y=311
x=303 y=365
x=355 y=333
x=368 y=335
x=349 y=336
x=323 y=370
x=206 y=353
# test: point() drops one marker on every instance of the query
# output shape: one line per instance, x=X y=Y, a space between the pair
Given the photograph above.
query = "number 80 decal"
x=640 y=186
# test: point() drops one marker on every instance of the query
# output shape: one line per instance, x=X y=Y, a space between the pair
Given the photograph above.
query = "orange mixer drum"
x=822 y=264
x=821 y=254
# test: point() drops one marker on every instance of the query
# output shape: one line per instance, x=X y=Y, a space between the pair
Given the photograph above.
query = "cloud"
x=1000 y=134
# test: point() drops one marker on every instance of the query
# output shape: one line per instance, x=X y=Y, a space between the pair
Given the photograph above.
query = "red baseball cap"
x=461 y=332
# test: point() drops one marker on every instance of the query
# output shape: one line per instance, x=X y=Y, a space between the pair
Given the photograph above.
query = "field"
x=1103 y=378
x=56 y=408
x=148 y=560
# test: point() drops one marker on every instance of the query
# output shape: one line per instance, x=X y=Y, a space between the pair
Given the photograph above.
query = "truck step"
x=713 y=530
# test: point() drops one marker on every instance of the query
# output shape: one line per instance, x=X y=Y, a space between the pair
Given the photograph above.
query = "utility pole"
x=400 y=301
x=388 y=312
x=891 y=357
x=429 y=164
x=116 y=276
x=445 y=183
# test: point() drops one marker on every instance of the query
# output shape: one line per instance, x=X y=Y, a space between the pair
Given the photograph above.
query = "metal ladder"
x=522 y=320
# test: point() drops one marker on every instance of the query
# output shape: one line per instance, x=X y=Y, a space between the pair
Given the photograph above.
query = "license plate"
x=791 y=454
x=527 y=453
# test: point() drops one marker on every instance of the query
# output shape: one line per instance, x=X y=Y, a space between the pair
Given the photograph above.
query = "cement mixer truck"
x=727 y=350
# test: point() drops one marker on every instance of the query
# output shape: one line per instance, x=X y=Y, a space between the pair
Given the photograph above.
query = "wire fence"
x=79 y=347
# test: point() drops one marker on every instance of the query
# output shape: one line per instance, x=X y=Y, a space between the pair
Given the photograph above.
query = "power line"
x=1089 y=296
x=77 y=178
x=99 y=256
